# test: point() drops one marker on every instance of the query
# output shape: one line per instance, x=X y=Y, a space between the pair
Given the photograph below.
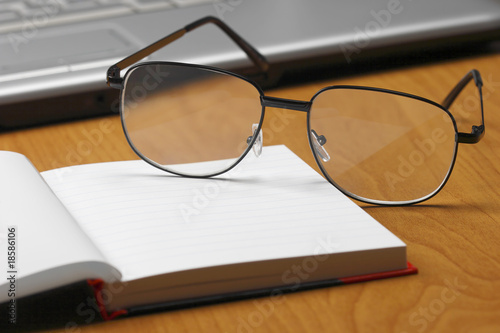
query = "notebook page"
x=49 y=248
x=147 y=222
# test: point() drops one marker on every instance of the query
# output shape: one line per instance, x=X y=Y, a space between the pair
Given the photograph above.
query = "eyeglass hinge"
x=473 y=137
x=113 y=78
x=477 y=78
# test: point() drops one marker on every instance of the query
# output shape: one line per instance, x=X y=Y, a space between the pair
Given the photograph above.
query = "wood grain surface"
x=454 y=238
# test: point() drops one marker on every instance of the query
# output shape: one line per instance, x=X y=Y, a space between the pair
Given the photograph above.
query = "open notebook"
x=148 y=240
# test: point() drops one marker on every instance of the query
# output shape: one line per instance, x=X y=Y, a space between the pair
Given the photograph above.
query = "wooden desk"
x=454 y=238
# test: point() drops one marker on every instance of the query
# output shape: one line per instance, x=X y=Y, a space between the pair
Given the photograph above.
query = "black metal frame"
x=113 y=75
x=115 y=80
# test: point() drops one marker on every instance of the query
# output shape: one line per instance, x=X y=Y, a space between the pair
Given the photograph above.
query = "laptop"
x=54 y=53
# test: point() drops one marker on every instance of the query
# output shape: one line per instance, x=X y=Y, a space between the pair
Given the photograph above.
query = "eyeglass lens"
x=174 y=115
x=382 y=146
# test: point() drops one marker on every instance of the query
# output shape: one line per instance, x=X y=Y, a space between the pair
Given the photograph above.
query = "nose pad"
x=257 y=145
x=318 y=141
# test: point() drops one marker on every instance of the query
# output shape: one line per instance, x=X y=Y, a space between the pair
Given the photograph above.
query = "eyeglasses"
x=375 y=145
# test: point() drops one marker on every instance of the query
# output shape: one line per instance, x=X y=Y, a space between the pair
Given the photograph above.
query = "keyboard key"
x=12 y=6
x=79 y=14
x=9 y=16
x=113 y=2
x=15 y=13
x=149 y=5
x=184 y=3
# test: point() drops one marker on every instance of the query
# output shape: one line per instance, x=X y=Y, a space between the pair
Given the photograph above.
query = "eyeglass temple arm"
x=477 y=131
x=113 y=75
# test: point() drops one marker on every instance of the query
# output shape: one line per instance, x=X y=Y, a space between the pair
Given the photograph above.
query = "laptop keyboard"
x=16 y=15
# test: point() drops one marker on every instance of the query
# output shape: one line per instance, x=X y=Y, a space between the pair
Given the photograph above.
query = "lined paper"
x=148 y=222
x=49 y=248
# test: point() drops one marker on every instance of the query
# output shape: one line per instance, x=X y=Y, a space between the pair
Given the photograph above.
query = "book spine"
x=97 y=286
x=187 y=303
x=382 y=275
x=66 y=307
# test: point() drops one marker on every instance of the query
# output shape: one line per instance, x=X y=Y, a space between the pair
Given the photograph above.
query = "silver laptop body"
x=53 y=68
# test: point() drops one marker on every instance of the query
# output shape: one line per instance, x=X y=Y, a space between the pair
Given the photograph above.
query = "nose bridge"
x=282 y=103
